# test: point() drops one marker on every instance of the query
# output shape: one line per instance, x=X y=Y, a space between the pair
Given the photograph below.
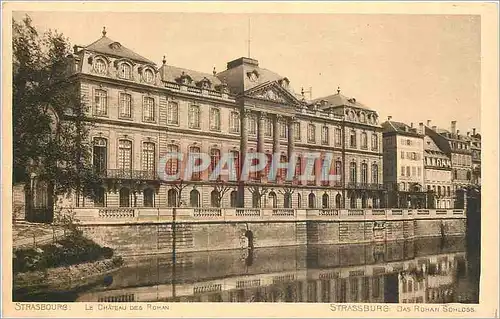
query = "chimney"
x=458 y=132
x=242 y=61
x=474 y=131
x=389 y=118
x=429 y=123
x=468 y=133
x=453 y=127
x=411 y=124
x=421 y=128
x=434 y=128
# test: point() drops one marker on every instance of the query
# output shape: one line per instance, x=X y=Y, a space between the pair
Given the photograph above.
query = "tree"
x=50 y=129
x=257 y=193
x=287 y=193
x=221 y=188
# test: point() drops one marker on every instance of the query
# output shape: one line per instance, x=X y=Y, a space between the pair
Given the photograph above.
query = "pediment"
x=272 y=92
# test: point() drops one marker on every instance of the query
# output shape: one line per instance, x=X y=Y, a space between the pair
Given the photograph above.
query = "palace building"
x=142 y=111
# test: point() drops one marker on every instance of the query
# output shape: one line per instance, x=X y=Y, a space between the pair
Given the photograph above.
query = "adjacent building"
x=403 y=165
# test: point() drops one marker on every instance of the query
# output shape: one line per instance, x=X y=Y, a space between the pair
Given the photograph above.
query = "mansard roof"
x=170 y=73
x=338 y=99
x=400 y=128
x=108 y=46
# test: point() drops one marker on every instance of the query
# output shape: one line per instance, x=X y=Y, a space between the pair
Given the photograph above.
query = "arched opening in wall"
x=256 y=200
x=376 y=201
x=100 y=197
x=287 y=200
x=273 y=199
x=233 y=199
x=214 y=198
x=148 y=197
x=172 y=198
x=312 y=201
x=338 y=201
x=194 y=198
x=124 y=197
x=299 y=201
x=353 y=201
x=325 y=200
x=439 y=190
x=364 y=201
x=42 y=210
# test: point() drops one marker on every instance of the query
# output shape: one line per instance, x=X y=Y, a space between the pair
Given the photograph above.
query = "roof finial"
x=164 y=60
x=214 y=71
x=338 y=89
x=302 y=91
x=104 y=31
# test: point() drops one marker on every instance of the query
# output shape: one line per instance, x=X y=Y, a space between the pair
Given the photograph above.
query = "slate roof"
x=338 y=99
x=170 y=73
x=399 y=128
x=108 y=46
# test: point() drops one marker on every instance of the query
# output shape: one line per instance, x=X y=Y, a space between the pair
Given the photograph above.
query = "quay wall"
x=141 y=232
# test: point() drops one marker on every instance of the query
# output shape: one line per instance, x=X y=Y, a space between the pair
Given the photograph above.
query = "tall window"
x=325 y=135
x=364 y=173
x=353 y=172
x=236 y=163
x=149 y=109
x=338 y=171
x=352 y=139
x=194 y=198
x=311 y=201
x=375 y=174
x=273 y=199
x=296 y=131
x=172 y=165
x=172 y=197
x=124 y=197
x=195 y=150
x=214 y=119
x=283 y=129
x=364 y=140
x=100 y=154
x=173 y=113
x=408 y=172
x=298 y=167
x=125 y=154
x=148 y=197
x=214 y=199
x=338 y=137
x=194 y=116
x=287 y=200
x=282 y=172
x=100 y=197
x=252 y=125
x=148 y=157
x=311 y=133
x=268 y=127
x=125 y=71
x=125 y=105
x=299 y=201
x=100 y=66
x=325 y=200
x=149 y=76
x=214 y=159
x=100 y=102
x=234 y=122
x=374 y=142
x=233 y=198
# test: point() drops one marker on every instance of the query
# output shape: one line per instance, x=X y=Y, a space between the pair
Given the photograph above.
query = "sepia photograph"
x=266 y=157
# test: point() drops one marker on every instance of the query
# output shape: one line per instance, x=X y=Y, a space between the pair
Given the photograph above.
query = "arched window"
x=352 y=139
x=375 y=174
x=100 y=66
x=364 y=140
x=192 y=151
x=364 y=201
x=148 y=76
x=100 y=154
x=214 y=198
x=312 y=201
x=172 y=197
x=100 y=197
x=376 y=201
x=273 y=200
x=338 y=201
x=194 y=198
x=233 y=199
x=256 y=200
x=325 y=200
x=124 y=197
x=299 y=201
x=353 y=200
x=364 y=173
x=149 y=197
x=125 y=71
x=287 y=200
x=353 y=172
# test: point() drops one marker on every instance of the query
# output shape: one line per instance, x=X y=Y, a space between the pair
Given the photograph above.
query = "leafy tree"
x=50 y=130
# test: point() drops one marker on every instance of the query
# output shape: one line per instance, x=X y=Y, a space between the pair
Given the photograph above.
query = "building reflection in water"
x=416 y=271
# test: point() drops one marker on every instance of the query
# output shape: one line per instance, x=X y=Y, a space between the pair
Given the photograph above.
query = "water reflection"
x=416 y=271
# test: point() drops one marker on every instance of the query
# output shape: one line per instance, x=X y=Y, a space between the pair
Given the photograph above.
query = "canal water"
x=430 y=270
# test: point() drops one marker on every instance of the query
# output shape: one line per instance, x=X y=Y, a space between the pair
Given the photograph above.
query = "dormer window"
x=284 y=83
x=253 y=76
x=125 y=71
x=115 y=45
x=100 y=66
x=184 y=79
x=205 y=84
x=148 y=76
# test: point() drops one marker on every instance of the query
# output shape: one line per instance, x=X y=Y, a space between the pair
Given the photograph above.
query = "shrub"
x=71 y=250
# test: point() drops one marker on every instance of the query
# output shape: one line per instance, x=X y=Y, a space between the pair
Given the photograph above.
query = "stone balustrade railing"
x=118 y=215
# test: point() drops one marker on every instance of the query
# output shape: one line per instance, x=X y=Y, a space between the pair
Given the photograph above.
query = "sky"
x=412 y=67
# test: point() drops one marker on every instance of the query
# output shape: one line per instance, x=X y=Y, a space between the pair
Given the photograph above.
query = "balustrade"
x=247 y=212
x=116 y=213
x=328 y=212
x=207 y=212
x=283 y=212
